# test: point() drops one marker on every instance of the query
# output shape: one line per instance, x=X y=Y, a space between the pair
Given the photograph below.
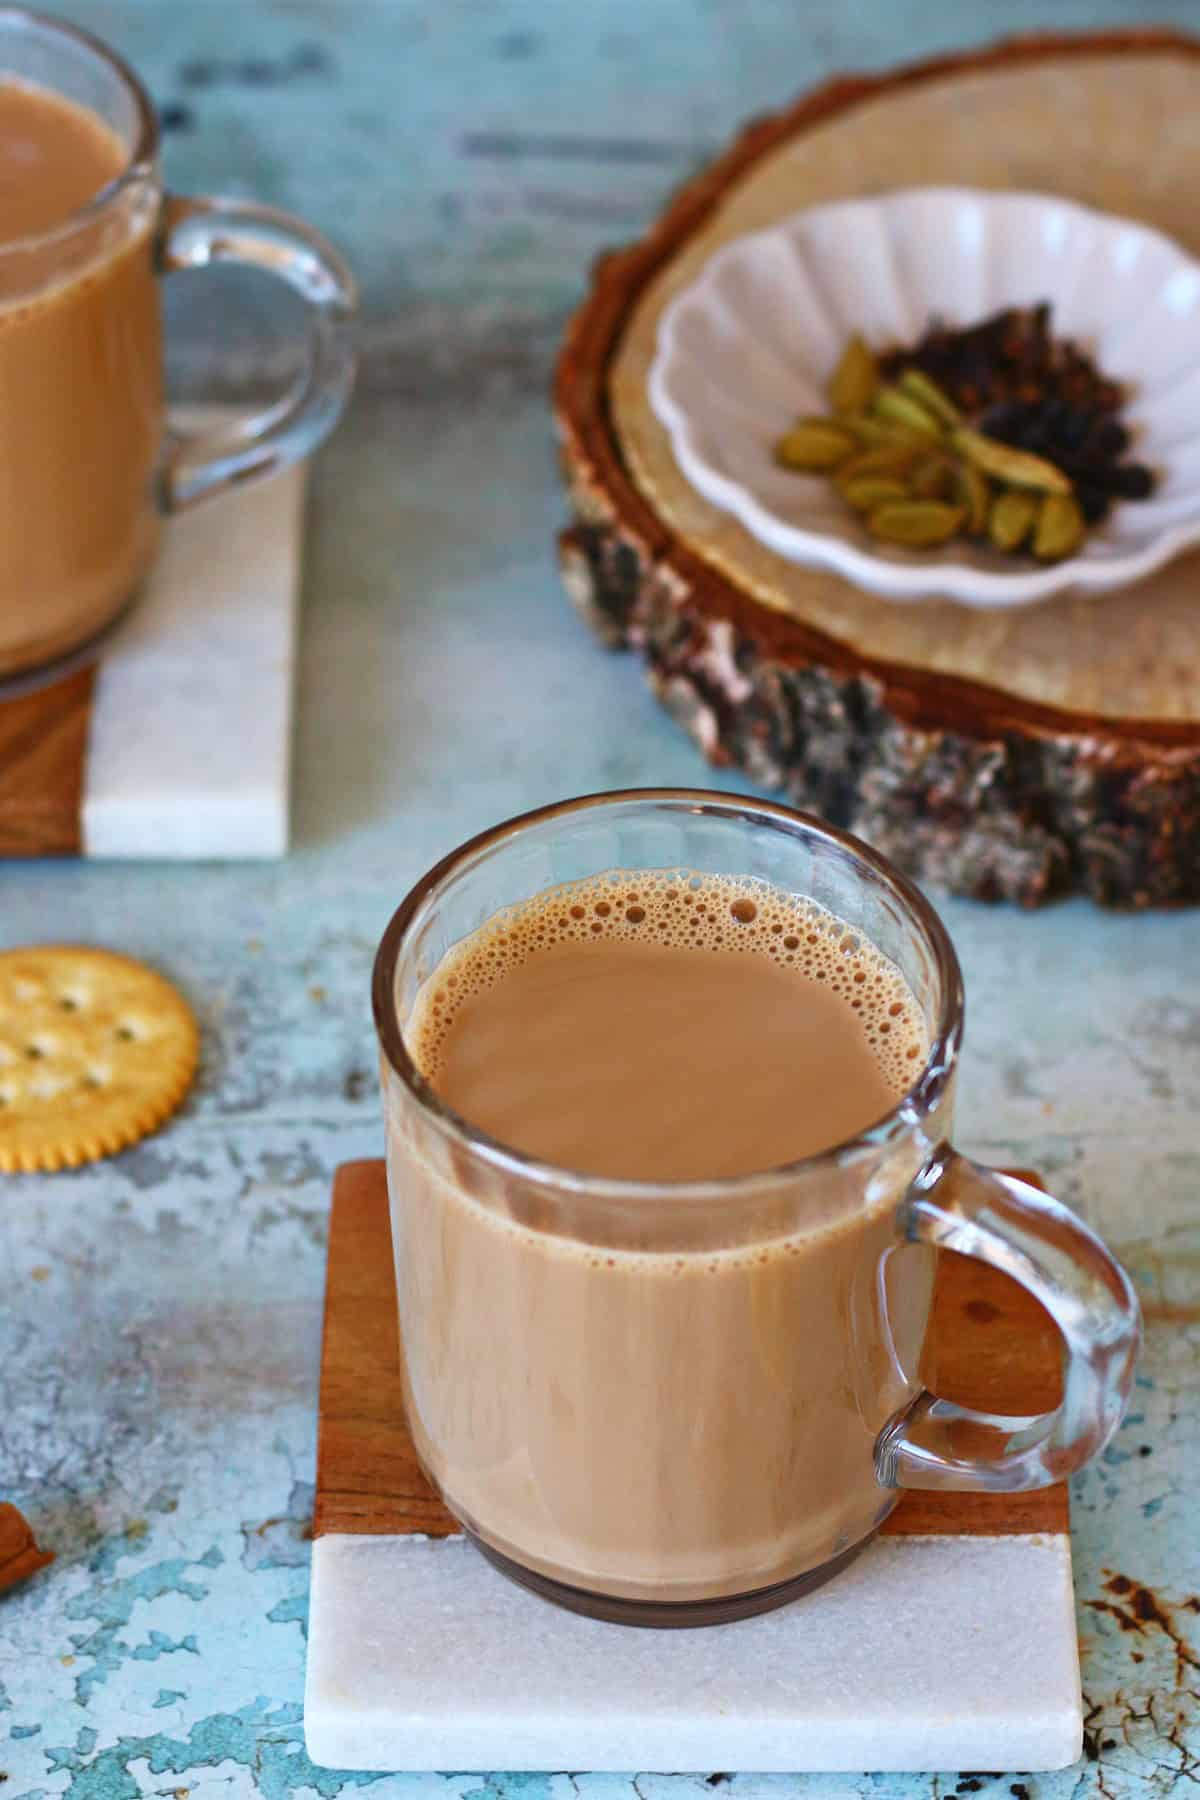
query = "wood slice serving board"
x=949 y=1644
x=1005 y=754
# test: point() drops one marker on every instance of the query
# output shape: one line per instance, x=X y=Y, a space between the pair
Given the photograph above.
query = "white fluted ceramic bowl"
x=752 y=342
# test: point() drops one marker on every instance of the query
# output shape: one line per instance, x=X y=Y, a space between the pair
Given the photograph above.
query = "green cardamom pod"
x=815 y=444
x=931 y=479
x=1011 y=518
x=853 y=383
x=919 y=524
x=876 y=433
x=865 y=492
x=926 y=392
x=973 y=492
x=1060 y=528
x=1020 y=468
x=884 y=459
x=899 y=408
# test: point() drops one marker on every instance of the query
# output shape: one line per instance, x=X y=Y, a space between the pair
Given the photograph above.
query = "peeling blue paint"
x=159 y=1644
x=530 y=1787
x=282 y=1542
x=113 y=1603
x=262 y=1737
x=292 y=1611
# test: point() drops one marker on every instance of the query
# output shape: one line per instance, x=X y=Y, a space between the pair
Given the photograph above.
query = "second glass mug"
x=673 y=1452
x=88 y=465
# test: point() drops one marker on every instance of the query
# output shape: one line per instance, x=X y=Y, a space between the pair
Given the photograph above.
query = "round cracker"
x=96 y=1050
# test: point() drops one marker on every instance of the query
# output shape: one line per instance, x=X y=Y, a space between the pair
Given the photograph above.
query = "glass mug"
x=663 y=1451
x=88 y=465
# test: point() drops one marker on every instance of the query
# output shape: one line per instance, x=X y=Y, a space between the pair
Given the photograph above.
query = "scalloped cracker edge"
x=96 y=1052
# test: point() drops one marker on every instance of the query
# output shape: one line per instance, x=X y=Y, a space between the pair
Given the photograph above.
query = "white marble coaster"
x=192 y=712
x=927 y=1653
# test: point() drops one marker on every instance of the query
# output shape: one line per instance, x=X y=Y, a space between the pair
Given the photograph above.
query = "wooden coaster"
x=1016 y=753
x=421 y=1656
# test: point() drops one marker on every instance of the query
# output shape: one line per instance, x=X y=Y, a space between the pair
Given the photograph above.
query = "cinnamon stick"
x=19 y=1552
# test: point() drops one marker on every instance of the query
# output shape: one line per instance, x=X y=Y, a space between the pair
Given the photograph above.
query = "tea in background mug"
x=88 y=465
x=681 y=1401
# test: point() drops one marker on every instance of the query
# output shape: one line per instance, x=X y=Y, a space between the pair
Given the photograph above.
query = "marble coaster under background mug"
x=949 y=1644
x=177 y=742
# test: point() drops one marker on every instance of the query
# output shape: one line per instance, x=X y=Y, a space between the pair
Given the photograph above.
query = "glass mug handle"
x=956 y=1204
x=199 y=232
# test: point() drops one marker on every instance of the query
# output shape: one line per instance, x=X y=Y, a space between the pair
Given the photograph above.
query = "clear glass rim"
x=139 y=164
x=915 y=1103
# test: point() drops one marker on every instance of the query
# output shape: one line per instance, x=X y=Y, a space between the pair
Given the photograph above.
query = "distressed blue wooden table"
x=160 y=1315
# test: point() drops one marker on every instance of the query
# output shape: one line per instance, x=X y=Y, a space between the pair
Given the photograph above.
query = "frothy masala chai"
x=668 y=1413
x=80 y=378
